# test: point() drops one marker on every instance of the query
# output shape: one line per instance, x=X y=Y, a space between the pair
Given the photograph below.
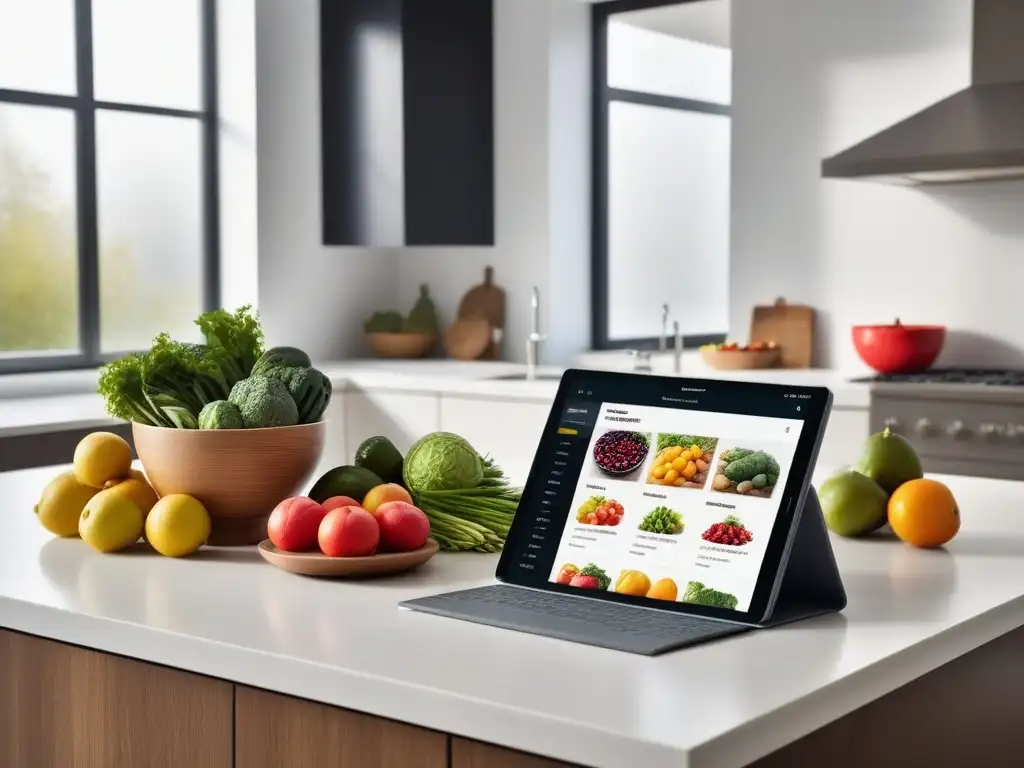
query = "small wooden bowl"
x=398 y=345
x=239 y=475
x=467 y=339
x=741 y=360
x=319 y=564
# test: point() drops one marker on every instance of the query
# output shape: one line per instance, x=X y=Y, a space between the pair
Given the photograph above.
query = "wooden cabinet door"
x=274 y=731
x=475 y=754
x=67 y=707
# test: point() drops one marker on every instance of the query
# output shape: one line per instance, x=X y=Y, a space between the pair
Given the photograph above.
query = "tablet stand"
x=811 y=584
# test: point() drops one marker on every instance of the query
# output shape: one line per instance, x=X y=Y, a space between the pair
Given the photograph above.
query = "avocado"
x=380 y=456
x=890 y=460
x=344 y=481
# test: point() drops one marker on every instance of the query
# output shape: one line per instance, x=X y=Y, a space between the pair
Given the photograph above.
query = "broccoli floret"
x=220 y=414
x=309 y=388
x=264 y=402
x=698 y=594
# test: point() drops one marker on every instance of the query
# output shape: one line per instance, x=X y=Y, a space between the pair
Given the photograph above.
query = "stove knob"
x=957 y=429
x=924 y=426
x=893 y=423
x=988 y=430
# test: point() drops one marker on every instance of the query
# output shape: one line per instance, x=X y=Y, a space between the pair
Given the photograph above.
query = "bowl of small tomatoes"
x=598 y=510
x=742 y=357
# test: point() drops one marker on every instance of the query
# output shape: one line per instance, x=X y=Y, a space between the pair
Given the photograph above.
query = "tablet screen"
x=664 y=489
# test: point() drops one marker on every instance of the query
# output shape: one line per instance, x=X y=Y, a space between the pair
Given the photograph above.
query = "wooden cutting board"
x=791 y=326
x=486 y=302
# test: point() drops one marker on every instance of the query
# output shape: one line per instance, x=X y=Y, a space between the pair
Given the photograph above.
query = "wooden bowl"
x=741 y=360
x=319 y=564
x=468 y=339
x=408 y=345
x=239 y=475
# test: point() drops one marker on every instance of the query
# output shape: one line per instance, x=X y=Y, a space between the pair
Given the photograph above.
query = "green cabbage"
x=442 y=461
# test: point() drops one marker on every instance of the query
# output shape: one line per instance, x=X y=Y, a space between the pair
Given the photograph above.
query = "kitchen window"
x=662 y=95
x=108 y=177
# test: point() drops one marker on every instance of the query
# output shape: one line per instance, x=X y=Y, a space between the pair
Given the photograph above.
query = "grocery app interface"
x=660 y=500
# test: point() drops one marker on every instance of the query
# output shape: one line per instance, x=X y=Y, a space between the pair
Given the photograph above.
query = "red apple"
x=403 y=527
x=349 y=532
x=294 y=524
x=584 y=582
x=337 y=502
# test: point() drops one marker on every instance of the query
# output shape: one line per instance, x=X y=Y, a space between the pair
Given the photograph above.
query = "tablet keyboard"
x=595 y=622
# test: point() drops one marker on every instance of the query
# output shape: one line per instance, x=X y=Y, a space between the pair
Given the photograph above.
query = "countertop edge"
x=390 y=698
x=319 y=683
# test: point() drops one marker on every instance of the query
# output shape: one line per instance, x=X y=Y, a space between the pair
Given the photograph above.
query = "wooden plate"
x=318 y=564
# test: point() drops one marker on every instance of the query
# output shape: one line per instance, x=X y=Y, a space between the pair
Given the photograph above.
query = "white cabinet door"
x=508 y=431
x=846 y=432
x=401 y=417
x=335 y=449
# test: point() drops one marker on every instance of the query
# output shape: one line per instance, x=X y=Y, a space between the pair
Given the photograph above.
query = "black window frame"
x=84 y=106
x=603 y=96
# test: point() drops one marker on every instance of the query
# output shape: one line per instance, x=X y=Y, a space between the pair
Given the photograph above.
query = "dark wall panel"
x=360 y=77
x=448 y=60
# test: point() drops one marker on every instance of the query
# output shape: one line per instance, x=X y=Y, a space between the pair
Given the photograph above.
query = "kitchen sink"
x=522 y=377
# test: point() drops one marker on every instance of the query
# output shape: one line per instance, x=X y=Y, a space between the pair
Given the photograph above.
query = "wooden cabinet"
x=67 y=707
x=476 y=754
x=508 y=430
x=402 y=417
x=274 y=731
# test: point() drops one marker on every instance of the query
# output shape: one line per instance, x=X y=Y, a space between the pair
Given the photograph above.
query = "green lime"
x=853 y=504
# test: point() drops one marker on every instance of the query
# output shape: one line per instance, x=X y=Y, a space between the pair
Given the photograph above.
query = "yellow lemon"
x=61 y=504
x=101 y=457
x=138 y=491
x=110 y=521
x=178 y=525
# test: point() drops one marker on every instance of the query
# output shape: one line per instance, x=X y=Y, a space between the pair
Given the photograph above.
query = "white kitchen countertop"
x=60 y=410
x=228 y=614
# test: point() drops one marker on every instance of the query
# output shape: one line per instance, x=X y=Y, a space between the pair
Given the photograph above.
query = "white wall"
x=813 y=78
x=542 y=195
x=310 y=295
x=317 y=297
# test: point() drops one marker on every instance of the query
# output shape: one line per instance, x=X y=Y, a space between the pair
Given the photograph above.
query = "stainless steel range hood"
x=973 y=135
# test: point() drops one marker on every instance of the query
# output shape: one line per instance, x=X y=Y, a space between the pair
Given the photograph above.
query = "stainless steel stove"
x=962 y=421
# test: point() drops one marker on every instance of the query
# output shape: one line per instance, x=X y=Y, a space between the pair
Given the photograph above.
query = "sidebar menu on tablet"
x=558 y=476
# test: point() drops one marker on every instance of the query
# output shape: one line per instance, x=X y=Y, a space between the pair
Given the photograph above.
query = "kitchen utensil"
x=467 y=339
x=318 y=564
x=899 y=348
x=790 y=326
x=238 y=474
x=407 y=345
x=741 y=360
x=486 y=302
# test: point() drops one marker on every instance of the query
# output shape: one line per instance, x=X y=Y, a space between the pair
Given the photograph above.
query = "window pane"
x=37 y=45
x=654 y=62
x=147 y=52
x=38 y=230
x=668 y=220
x=150 y=227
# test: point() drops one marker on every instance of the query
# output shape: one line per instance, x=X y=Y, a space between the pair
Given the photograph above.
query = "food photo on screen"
x=600 y=510
x=590 y=576
x=619 y=454
x=747 y=470
x=682 y=461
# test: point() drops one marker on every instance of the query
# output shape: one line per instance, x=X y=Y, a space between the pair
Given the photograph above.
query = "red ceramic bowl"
x=899 y=348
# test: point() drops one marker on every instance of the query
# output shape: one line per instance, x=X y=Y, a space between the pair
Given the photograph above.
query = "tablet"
x=666 y=492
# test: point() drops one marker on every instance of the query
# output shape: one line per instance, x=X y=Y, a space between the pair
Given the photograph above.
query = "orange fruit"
x=924 y=513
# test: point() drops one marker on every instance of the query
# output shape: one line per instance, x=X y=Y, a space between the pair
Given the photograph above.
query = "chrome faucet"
x=535 y=338
x=663 y=339
x=677 y=348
